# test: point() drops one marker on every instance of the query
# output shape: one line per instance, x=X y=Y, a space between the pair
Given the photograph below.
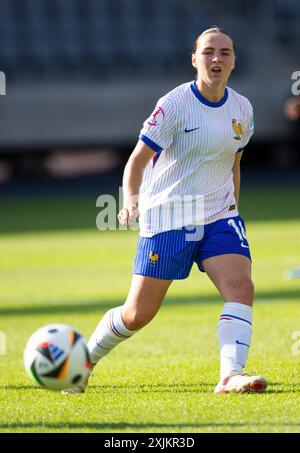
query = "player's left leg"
x=231 y=274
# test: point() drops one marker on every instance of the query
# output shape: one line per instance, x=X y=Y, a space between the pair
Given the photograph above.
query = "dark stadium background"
x=82 y=76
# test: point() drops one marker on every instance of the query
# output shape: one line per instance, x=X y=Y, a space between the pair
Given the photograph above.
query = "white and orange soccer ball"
x=56 y=357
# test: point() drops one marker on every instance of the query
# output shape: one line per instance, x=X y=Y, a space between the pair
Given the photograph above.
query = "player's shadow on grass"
x=142 y=427
x=284 y=388
x=155 y=388
x=128 y=389
x=183 y=388
x=21 y=387
x=101 y=306
x=198 y=388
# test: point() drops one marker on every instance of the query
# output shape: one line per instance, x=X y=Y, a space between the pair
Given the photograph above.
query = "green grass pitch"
x=57 y=267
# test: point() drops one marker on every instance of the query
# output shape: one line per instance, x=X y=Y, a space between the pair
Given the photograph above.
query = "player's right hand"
x=128 y=216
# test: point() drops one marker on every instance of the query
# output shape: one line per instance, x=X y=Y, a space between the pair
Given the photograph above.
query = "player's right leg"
x=145 y=297
x=160 y=259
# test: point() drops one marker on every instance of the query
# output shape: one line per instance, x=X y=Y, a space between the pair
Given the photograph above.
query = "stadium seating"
x=71 y=38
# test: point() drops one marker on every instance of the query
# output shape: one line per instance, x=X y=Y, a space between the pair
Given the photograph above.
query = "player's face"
x=214 y=58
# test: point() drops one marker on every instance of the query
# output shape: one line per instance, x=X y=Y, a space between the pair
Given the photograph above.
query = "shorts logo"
x=156 y=117
x=240 y=231
x=238 y=129
x=153 y=257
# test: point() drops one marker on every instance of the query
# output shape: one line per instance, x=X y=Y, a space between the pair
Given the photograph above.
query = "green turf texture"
x=57 y=267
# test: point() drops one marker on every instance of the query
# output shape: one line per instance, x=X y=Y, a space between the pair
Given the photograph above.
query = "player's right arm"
x=132 y=180
x=156 y=136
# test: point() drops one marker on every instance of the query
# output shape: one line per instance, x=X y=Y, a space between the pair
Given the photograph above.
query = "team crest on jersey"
x=157 y=117
x=153 y=257
x=238 y=129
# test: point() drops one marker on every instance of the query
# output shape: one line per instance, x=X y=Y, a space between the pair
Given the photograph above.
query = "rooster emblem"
x=153 y=257
x=237 y=127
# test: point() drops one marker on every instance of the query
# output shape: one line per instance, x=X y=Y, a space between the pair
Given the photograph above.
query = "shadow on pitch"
x=95 y=306
x=21 y=387
x=184 y=388
x=142 y=427
x=284 y=388
x=199 y=387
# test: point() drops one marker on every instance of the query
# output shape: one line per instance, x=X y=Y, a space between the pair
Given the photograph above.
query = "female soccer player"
x=186 y=170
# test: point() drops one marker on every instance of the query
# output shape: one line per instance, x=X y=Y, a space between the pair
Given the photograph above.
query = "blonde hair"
x=212 y=30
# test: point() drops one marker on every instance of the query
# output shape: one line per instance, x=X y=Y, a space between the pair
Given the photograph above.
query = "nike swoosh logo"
x=239 y=342
x=191 y=130
x=245 y=246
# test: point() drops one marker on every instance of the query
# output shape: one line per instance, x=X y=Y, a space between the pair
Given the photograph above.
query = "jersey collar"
x=205 y=101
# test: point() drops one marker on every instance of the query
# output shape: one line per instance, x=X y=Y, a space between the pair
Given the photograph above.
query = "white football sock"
x=234 y=333
x=109 y=332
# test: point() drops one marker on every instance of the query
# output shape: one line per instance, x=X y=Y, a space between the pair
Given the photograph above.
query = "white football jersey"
x=190 y=180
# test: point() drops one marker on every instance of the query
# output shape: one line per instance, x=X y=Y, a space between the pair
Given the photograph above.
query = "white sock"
x=234 y=333
x=109 y=333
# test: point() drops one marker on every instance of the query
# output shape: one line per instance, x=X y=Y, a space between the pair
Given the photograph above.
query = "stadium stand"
x=64 y=59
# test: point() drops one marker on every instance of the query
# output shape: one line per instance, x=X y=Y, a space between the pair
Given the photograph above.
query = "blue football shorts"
x=170 y=255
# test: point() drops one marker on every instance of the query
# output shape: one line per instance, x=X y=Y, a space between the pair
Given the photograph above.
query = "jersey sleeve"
x=158 y=129
x=249 y=127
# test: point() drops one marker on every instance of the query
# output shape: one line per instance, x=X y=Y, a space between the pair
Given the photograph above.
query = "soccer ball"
x=56 y=357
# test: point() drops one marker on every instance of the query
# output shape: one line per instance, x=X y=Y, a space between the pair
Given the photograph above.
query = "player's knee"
x=241 y=290
x=246 y=288
x=249 y=288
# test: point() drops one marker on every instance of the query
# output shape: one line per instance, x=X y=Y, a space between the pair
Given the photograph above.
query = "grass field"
x=56 y=267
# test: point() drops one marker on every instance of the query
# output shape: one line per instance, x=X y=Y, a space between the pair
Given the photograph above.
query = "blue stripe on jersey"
x=150 y=143
x=236 y=317
x=206 y=101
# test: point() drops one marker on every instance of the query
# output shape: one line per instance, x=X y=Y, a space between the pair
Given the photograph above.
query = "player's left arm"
x=236 y=170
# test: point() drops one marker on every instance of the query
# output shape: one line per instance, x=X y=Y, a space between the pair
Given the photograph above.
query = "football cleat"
x=241 y=383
